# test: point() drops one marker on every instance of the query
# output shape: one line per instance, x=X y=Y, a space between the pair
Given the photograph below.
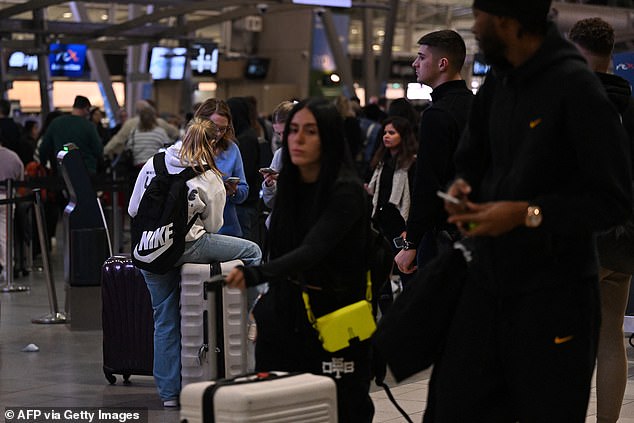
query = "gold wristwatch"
x=533 y=216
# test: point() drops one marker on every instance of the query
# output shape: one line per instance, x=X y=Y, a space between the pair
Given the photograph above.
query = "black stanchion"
x=8 y=271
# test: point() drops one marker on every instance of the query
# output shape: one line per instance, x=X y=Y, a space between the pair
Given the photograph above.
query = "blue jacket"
x=230 y=164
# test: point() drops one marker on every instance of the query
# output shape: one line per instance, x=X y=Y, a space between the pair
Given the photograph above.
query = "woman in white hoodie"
x=203 y=245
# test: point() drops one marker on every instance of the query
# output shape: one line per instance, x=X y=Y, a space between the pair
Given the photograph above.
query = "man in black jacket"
x=438 y=64
x=539 y=172
x=595 y=40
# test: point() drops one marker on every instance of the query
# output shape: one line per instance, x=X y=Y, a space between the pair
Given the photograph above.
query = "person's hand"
x=405 y=261
x=235 y=279
x=231 y=187
x=461 y=190
x=270 y=179
x=490 y=219
x=367 y=189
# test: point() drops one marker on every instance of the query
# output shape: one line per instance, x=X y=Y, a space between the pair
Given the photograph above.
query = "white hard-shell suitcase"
x=213 y=324
x=274 y=397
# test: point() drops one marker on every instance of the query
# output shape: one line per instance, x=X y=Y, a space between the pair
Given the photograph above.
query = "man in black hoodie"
x=539 y=172
x=595 y=40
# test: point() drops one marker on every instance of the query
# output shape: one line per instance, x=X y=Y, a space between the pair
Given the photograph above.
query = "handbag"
x=411 y=336
x=345 y=326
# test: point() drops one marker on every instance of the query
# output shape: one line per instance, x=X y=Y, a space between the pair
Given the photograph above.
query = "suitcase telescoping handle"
x=219 y=270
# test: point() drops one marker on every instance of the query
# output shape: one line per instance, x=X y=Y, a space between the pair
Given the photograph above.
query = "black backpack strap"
x=159 y=163
x=189 y=172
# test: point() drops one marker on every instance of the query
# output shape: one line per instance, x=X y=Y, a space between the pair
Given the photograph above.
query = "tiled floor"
x=67 y=370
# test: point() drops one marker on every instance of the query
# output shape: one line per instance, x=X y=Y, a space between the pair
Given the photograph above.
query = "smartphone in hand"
x=233 y=179
x=268 y=170
x=448 y=197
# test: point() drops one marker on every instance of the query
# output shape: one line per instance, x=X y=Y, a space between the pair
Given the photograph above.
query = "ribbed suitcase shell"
x=301 y=398
x=128 y=323
x=213 y=324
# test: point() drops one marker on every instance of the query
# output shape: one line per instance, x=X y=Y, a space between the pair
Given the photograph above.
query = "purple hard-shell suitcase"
x=128 y=323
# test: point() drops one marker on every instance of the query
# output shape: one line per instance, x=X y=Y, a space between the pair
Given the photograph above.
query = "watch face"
x=533 y=217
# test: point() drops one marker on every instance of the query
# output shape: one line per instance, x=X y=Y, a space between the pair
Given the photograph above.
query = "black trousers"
x=526 y=358
x=287 y=342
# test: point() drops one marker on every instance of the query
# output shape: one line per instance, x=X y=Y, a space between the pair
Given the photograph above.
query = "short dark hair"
x=448 y=43
x=81 y=102
x=594 y=35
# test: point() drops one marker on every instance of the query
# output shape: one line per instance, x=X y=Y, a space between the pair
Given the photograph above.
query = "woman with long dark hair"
x=392 y=179
x=318 y=236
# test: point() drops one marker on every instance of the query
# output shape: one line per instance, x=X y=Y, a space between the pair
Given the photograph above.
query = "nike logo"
x=155 y=243
x=559 y=340
x=534 y=123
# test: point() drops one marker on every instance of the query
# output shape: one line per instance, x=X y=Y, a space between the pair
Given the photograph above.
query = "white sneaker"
x=172 y=403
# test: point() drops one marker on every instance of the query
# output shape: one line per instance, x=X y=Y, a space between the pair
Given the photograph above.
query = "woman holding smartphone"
x=318 y=231
x=228 y=160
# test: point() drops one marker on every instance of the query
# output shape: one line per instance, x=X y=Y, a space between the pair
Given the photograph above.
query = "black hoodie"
x=249 y=149
x=545 y=132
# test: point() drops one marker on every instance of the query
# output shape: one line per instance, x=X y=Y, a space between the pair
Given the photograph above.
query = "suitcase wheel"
x=110 y=377
x=126 y=379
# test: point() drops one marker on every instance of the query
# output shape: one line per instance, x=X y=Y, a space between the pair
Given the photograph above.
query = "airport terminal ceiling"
x=112 y=26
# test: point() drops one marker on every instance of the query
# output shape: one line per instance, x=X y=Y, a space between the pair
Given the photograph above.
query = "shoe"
x=172 y=403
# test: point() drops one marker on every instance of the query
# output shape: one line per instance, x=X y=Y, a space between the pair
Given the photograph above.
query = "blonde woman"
x=203 y=245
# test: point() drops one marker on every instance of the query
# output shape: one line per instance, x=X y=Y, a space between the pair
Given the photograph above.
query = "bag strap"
x=309 y=310
x=159 y=163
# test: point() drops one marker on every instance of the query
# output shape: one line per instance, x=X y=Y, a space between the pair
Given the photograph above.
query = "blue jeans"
x=165 y=293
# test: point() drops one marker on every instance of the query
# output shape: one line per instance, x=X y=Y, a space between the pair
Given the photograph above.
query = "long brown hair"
x=406 y=153
x=198 y=144
x=219 y=107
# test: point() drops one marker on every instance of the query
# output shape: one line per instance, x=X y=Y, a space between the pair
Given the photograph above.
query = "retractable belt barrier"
x=54 y=315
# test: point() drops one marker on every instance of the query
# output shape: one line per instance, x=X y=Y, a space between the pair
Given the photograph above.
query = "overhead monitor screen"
x=168 y=63
x=204 y=59
x=67 y=59
x=257 y=68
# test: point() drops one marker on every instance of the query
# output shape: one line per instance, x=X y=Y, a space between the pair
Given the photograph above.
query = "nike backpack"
x=158 y=230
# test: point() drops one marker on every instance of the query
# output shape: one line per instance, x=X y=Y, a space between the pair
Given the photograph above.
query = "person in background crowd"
x=203 y=245
x=117 y=143
x=28 y=141
x=351 y=125
x=122 y=116
x=96 y=117
x=12 y=168
x=247 y=140
x=9 y=130
x=228 y=160
x=264 y=130
x=74 y=128
x=391 y=188
x=438 y=64
x=269 y=185
x=147 y=138
x=538 y=173
x=319 y=192
x=403 y=107
x=595 y=40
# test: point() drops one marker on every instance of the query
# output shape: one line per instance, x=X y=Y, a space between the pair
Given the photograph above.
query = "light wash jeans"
x=165 y=293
